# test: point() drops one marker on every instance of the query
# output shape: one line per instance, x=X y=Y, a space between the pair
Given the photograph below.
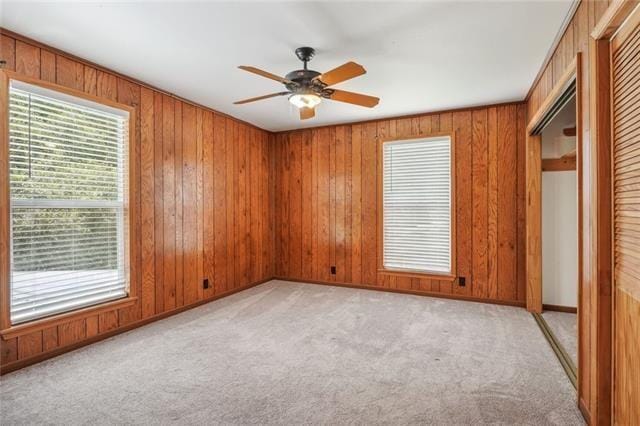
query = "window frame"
x=7 y=330
x=451 y=275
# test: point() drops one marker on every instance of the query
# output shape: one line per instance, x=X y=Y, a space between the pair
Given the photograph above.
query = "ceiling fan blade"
x=265 y=74
x=258 y=98
x=343 y=72
x=354 y=98
x=306 y=113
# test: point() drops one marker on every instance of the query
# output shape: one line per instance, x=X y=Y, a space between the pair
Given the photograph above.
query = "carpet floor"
x=289 y=353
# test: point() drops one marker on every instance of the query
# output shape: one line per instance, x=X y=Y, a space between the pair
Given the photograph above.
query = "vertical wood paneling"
x=507 y=145
x=306 y=206
x=27 y=59
x=267 y=234
x=69 y=73
x=369 y=204
x=158 y=203
x=72 y=332
x=168 y=203
x=492 y=203
x=106 y=85
x=462 y=125
x=356 y=203
x=332 y=204
x=520 y=203
x=324 y=205
x=295 y=202
x=325 y=197
x=208 y=203
x=348 y=204
x=188 y=164
x=49 y=339
x=315 y=146
x=190 y=199
x=47 y=66
x=8 y=52
x=200 y=203
x=231 y=130
x=240 y=200
x=339 y=200
x=30 y=344
x=93 y=325
x=179 y=280
x=107 y=321
x=220 y=202
x=254 y=209
x=90 y=80
x=480 y=226
x=9 y=350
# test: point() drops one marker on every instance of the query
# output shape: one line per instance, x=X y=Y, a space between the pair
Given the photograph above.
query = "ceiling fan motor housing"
x=305 y=80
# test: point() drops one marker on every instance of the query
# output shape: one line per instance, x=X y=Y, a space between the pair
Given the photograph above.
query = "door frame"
x=533 y=182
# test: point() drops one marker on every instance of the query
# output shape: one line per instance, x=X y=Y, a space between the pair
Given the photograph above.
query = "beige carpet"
x=287 y=353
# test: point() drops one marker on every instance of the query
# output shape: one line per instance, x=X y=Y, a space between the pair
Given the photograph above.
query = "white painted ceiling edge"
x=420 y=56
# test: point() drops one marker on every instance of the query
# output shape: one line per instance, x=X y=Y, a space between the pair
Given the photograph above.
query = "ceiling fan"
x=306 y=87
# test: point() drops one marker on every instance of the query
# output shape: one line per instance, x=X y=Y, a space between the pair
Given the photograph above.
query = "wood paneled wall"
x=203 y=182
x=577 y=39
x=326 y=206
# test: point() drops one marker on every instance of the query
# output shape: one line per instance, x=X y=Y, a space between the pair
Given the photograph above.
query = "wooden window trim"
x=417 y=274
x=449 y=276
x=7 y=330
x=41 y=323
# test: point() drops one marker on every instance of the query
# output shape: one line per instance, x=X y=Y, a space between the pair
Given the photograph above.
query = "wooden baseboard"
x=560 y=308
x=16 y=365
x=413 y=292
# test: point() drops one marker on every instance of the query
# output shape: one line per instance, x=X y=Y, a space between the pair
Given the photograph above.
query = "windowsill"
x=31 y=326
x=417 y=274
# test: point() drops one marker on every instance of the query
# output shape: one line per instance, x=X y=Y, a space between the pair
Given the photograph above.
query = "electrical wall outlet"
x=205 y=283
x=333 y=270
x=462 y=281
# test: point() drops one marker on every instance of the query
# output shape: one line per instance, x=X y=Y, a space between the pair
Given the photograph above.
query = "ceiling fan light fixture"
x=306 y=88
x=305 y=100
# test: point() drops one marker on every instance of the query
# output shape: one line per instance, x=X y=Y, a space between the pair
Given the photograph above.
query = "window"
x=417 y=205
x=68 y=186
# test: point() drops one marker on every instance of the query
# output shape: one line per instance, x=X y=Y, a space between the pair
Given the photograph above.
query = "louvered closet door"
x=625 y=68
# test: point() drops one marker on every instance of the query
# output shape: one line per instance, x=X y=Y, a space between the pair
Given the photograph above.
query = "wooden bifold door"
x=625 y=125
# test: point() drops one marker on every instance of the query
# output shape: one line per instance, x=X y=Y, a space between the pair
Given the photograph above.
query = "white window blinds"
x=417 y=205
x=68 y=177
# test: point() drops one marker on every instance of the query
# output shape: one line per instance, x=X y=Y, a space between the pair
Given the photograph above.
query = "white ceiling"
x=419 y=56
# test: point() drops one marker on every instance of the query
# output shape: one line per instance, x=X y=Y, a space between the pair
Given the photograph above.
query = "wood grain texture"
x=182 y=154
x=625 y=105
x=558 y=164
x=533 y=173
x=334 y=171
